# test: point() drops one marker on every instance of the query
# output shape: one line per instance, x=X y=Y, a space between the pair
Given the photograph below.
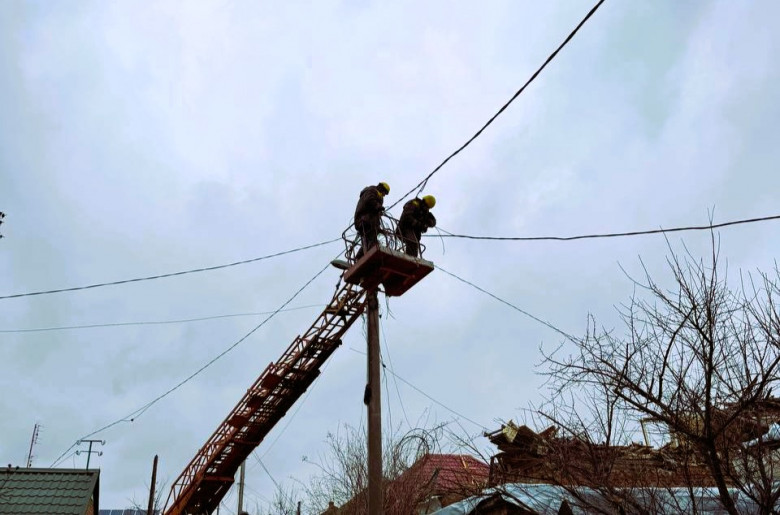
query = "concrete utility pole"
x=150 y=510
x=241 y=488
x=90 y=451
x=374 y=408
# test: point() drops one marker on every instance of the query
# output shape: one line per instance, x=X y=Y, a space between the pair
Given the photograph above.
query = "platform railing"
x=388 y=236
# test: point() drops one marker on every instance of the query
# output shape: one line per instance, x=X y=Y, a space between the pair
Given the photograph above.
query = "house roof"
x=31 y=491
x=545 y=457
x=431 y=475
x=447 y=472
x=547 y=500
x=771 y=436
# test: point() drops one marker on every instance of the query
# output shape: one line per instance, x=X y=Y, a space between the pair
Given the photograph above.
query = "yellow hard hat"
x=384 y=186
x=429 y=200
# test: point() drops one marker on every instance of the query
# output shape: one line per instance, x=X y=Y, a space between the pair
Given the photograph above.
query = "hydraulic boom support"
x=209 y=476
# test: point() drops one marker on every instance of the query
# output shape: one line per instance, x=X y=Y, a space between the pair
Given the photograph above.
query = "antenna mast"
x=33 y=441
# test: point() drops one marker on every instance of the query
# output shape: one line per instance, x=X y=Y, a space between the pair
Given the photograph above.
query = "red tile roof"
x=450 y=477
x=447 y=472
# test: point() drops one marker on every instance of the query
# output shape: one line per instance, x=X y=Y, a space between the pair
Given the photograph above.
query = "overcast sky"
x=145 y=138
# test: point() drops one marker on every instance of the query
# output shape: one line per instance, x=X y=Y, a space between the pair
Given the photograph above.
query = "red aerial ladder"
x=208 y=477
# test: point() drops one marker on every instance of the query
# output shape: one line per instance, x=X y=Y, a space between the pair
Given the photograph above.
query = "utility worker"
x=367 y=214
x=416 y=219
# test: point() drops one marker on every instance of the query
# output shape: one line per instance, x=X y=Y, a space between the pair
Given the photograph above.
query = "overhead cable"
x=173 y=274
x=257 y=493
x=464 y=417
x=260 y=461
x=140 y=411
x=708 y=227
x=292 y=417
x=395 y=380
x=151 y=322
x=526 y=313
x=421 y=184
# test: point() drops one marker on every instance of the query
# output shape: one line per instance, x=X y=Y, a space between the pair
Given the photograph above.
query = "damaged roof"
x=447 y=472
x=548 y=499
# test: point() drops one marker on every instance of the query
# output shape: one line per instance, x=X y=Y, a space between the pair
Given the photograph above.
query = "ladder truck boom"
x=208 y=477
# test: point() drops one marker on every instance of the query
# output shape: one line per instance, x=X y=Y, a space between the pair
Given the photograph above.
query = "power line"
x=151 y=322
x=425 y=394
x=258 y=493
x=174 y=274
x=448 y=234
x=526 y=313
x=434 y=400
x=260 y=461
x=421 y=184
x=387 y=394
x=140 y=411
x=395 y=381
x=297 y=409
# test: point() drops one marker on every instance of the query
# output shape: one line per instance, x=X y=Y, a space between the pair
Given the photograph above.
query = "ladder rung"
x=219 y=479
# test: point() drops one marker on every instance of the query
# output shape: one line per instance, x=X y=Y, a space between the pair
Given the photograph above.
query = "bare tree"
x=343 y=476
x=157 y=503
x=285 y=501
x=341 y=479
x=700 y=359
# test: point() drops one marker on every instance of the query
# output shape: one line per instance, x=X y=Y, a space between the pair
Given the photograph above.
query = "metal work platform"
x=385 y=263
x=394 y=270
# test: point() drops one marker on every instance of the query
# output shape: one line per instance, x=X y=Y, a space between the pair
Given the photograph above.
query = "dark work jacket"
x=416 y=216
x=369 y=206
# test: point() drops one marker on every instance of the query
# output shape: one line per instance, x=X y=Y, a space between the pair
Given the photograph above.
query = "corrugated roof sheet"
x=547 y=500
x=46 y=491
x=772 y=435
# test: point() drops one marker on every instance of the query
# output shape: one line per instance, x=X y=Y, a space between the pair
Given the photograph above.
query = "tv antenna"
x=36 y=432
